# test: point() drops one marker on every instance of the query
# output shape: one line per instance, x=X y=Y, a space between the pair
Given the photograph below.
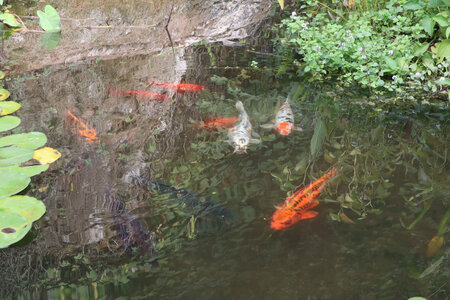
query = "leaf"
x=9 y=19
x=281 y=2
x=320 y=132
x=428 y=25
x=391 y=63
x=443 y=49
x=431 y=268
x=417 y=298
x=31 y=140
x=29 y=171
x=434 y=245
x=8 y=107
x=8 y=123
x=442 y=21
x=2 y=75
x=47 y=155
x=50 y=40
x=345 y=219
x=28 y=207
x=10 y=156
x=12 y=182
x=447 y=32
x=49 y=20
x=13 y=228
x=413 y=5
x=421 y=49
x=4 y=94
x=444 y=221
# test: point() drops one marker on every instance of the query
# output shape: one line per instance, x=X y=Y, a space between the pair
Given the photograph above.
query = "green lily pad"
x=13 y=228
x=49 y=19
x=28 y=207
x=4 y=94
x=8 y=107
x=28 y=171
x=8 y=123
x=12 y=182
x=31 y=140
x=10 y=156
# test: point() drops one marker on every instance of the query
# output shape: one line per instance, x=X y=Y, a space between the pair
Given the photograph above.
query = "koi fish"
x=89 y=133
x=179 y=87
x=218 y=123
x=284 y=120
x=140 y=94
x=240 y=135
x=296 y=207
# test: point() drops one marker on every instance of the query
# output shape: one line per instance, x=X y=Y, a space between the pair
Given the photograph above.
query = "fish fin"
x=239 y=106
x=314 y=204
x=267 y=126
x=308 y=215
x=298 y=128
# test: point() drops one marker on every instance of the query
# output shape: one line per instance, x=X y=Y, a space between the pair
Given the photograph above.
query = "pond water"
x=108 y=234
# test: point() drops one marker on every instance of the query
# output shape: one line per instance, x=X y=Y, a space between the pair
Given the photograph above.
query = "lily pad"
x=49 y=19
x=12 y=182
x=10 y=156
x=28 y=207
x=8 y=107
x=31 y=140
x=8 y=123
x=13 y=228
x=28 y=171
x=4 y=94
x=46 y=155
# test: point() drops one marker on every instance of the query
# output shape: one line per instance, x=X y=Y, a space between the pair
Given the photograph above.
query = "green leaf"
x=50 y=40
x=28 y=207
x=13 y=228
x=4 y=94
x=320 y=132
x=432 y=267
x=413 y=5
x=9 y=19
x=10 y=156
x=8 y=123
x=421 y=49
x=447 y=32
x=429 y=63
x=445 y=82
x=417 y=298
x=428 y=25
x=8 y=107
x=49 y=20
x=443 y=49
x=442 y=21
x=391 y=63
x=31 y=140
x=28 y=171
x=12 y=182
x=281 y=2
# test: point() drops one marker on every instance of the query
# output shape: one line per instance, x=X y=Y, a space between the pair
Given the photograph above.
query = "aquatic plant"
x=18 y=212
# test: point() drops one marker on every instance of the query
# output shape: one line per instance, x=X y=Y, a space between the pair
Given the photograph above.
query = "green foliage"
x=49 y=19
x=390 y=49
x=17 y=213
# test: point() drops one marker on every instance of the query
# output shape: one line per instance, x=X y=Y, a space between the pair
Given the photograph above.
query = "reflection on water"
x=103 y=232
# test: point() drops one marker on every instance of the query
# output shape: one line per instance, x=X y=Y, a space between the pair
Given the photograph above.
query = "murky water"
x=106 y=235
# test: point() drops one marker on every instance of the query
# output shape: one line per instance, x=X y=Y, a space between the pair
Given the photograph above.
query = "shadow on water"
x=198 y=226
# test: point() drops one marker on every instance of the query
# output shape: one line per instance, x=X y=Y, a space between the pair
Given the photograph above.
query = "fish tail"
x=239 y=106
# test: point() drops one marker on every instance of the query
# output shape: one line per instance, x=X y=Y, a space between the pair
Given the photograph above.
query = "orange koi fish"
x=179 y=87
x=140 y=94
x=89 y=133
x=296 y=207
x=217 y=123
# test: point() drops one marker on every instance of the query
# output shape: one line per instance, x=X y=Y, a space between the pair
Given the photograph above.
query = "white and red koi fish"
x=284 y=120
x=240 y=135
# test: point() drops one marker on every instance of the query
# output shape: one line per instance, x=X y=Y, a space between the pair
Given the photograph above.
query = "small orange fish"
x=179 y=87
x=140 y=94
x=89 y=133
x=218 y=123
x=296 y=207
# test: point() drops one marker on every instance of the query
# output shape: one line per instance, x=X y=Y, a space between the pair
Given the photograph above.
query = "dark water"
x=393 y=160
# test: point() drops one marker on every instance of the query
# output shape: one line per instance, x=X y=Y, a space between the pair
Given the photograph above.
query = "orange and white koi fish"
x=179 y=87
x=217 y=123
x=240 y=135
x=284 y=120
x=140 y=94
x=296 y=207
x=89 y=133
